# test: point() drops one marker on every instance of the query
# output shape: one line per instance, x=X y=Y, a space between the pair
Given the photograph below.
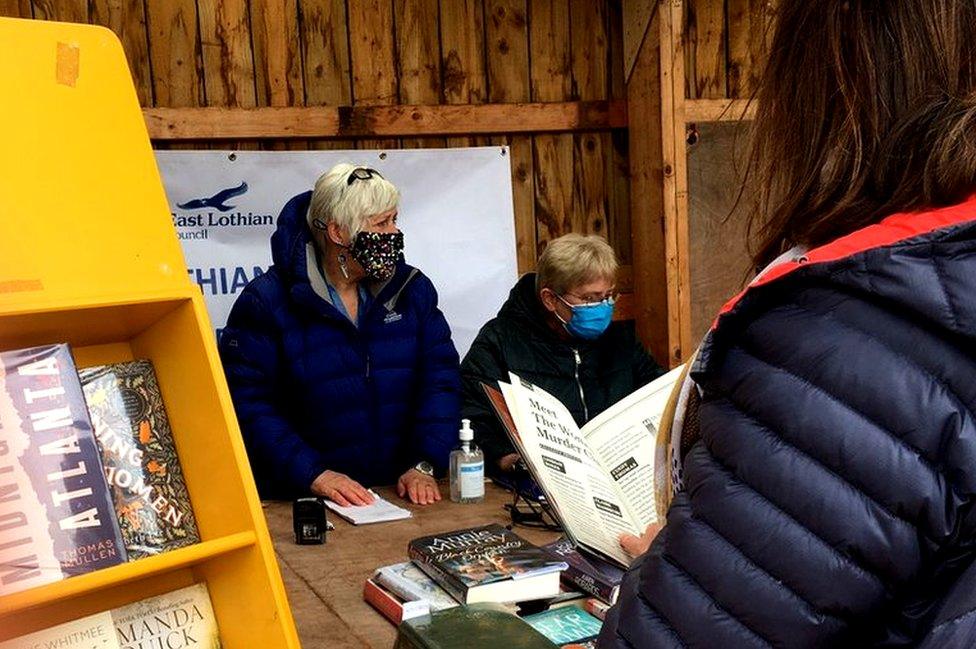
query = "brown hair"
x=866 y=108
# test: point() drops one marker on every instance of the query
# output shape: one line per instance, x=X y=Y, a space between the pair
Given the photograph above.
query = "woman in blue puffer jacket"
x=828 y=453
x=340 y=364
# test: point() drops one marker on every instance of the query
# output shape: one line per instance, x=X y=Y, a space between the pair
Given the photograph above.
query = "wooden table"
x=325 y=582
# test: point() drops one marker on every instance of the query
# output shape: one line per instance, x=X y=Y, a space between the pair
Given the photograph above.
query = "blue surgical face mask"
x=588 y=321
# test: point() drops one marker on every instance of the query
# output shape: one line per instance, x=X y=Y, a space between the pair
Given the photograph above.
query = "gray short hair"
x=334 y=200
x=575 y=259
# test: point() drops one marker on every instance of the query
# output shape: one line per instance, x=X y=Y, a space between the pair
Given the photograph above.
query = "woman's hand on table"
x=638 y=545
x=418 y=488
x=341 y=489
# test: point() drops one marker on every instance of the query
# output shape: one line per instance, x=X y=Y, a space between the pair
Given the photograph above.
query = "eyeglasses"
x=362 y=173
x=594 y=298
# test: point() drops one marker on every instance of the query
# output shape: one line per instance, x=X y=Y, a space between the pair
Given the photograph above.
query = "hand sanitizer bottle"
x=467 y=468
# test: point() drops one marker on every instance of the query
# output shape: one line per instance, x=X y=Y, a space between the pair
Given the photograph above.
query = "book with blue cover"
x=56 y=511
x=565 y=625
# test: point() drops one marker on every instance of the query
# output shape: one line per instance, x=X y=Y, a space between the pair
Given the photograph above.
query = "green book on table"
x=478 y=626
x=569 y=624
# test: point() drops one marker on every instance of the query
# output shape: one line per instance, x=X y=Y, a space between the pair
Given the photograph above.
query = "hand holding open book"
x=598 y=478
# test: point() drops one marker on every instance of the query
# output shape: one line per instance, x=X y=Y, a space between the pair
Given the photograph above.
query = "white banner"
x=455 y=211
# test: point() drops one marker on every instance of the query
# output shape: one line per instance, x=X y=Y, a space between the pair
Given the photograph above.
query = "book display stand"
x=89 y=256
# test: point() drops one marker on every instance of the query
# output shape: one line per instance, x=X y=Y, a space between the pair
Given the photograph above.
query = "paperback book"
x=393 y=607
x=139 y=456
x=565 y=625
x=182 y=619
x=411 y=583
x=603 y=479
x=590 y=574
x=55 y=507
x=487 y=564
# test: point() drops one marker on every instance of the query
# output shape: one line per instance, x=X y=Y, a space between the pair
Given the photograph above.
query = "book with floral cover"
x=139 y=455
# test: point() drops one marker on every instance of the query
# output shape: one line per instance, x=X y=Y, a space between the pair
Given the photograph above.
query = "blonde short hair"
x=335 y=200
x=574 y=259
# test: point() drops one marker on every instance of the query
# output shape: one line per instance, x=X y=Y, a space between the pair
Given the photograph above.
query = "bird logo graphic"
x=217 y=200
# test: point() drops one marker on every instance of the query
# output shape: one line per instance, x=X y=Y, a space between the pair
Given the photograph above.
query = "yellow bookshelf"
x=89 y=256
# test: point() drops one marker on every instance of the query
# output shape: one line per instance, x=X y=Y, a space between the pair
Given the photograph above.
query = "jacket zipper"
x=579 y=361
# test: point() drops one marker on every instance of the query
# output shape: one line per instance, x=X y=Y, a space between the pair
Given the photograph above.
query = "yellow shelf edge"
x=124 y=573
x=94 y=302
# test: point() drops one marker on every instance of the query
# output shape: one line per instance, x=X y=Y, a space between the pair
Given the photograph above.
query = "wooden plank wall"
x=725 y=48
x=247 y=53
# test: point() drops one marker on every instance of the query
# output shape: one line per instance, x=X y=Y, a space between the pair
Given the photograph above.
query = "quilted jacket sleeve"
x=439 y=402
x=249 y=349
x=826 y=500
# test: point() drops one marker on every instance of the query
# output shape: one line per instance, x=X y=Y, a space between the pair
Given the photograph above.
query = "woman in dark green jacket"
x=556 y=331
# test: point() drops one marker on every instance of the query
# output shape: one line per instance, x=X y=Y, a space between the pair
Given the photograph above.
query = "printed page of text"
x=623 y=439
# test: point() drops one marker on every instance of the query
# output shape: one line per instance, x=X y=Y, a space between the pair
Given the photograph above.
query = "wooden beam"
x=649 y=272
x=673 y=101
x=382 y=121
x=718 y=110
x=637 y=18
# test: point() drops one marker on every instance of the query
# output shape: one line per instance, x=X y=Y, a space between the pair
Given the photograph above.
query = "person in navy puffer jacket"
x=825 y=462
x=340 y=364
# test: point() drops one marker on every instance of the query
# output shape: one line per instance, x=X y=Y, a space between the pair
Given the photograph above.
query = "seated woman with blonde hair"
x=556 y=330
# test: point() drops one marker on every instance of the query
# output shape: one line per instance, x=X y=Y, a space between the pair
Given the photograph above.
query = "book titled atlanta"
x=139 y=457
x=55 y=508
x=487 y=564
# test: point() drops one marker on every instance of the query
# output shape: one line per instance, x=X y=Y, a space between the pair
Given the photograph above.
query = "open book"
x=599 y=479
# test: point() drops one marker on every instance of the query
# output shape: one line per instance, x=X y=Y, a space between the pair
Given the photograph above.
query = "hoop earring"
x=342 y=265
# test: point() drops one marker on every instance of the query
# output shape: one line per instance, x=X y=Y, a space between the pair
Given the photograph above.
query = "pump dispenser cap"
x=466 y=433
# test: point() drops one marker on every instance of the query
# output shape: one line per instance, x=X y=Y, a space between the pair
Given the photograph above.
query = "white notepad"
x=380 y=511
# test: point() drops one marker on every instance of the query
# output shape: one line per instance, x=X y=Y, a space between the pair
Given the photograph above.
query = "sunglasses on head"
x=362 y=173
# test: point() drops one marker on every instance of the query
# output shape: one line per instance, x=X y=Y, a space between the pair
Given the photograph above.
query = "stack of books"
x=491 y=564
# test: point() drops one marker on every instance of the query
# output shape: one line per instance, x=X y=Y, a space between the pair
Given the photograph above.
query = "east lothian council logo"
x=216 y=201
x=215 y=212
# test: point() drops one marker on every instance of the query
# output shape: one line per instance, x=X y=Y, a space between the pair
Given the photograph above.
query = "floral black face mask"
x=378 y=253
